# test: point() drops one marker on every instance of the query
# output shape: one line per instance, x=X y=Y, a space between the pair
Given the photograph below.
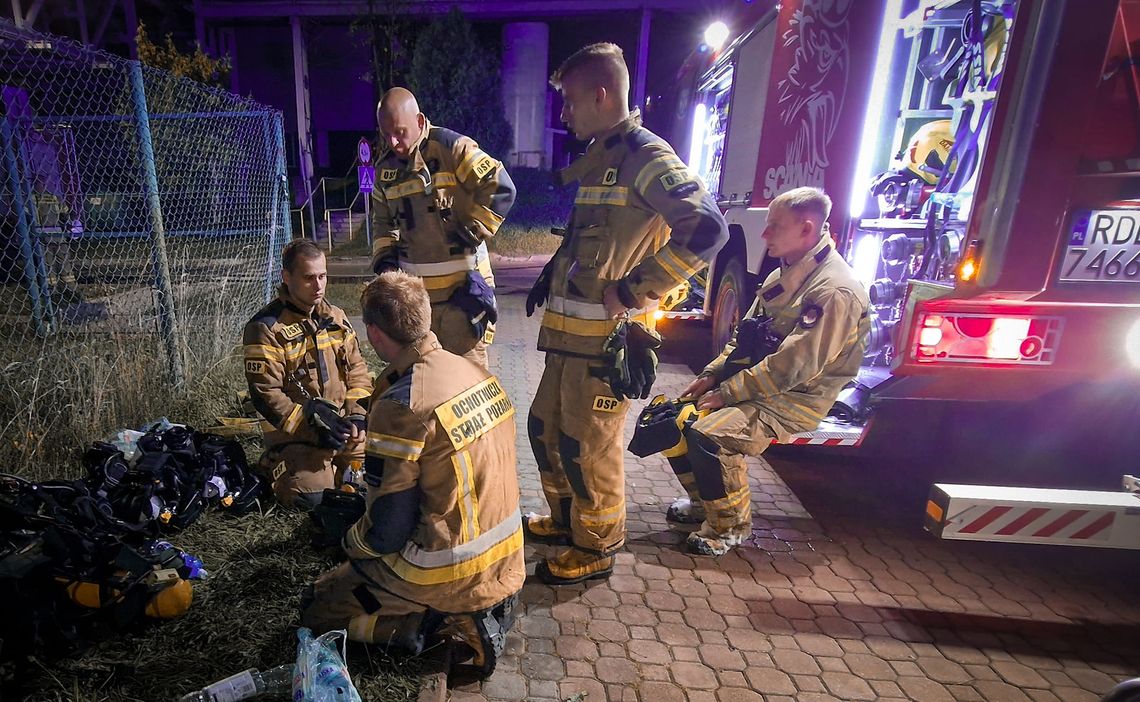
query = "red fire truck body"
x=984 y=161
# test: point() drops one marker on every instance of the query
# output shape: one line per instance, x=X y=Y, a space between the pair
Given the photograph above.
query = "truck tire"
x=731 y=304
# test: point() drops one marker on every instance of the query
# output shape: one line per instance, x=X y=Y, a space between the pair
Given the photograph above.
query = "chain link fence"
x=143 y=220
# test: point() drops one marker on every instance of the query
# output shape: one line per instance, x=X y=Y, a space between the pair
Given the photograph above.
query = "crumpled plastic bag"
x=321 y=674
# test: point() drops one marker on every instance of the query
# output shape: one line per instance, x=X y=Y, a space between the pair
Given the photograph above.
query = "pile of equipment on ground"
x=79 y=558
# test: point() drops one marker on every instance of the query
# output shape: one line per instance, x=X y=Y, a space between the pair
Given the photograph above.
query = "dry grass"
x=65 y=393
x=518 y=240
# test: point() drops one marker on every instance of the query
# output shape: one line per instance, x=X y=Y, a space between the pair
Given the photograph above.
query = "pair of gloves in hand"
x=333 y=430
x=631 y=360
x=477 y=300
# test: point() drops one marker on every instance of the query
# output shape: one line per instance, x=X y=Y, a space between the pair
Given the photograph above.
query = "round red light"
x=1031 y=347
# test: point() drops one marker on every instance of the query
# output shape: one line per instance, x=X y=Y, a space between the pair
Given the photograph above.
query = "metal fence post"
x=282 y=176
x=167 y=319
x=40 y=296
x=274 y=208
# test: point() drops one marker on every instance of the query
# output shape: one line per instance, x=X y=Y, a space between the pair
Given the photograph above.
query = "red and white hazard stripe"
x=812 y=440
x=1034 y=523
x=685 y=314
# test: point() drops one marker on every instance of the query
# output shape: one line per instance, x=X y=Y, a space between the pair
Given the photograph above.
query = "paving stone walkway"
x=846 y=603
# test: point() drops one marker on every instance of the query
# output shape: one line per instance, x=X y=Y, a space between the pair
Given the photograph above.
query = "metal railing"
x=318 y=201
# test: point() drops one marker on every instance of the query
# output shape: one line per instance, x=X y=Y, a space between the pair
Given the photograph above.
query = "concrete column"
x=642 y=59
x=304 y=115
x=526 y=47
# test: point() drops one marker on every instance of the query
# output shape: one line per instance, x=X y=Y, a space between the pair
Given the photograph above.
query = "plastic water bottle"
x=246 y=684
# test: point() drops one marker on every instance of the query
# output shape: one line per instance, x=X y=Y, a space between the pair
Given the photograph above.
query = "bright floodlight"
x=716 y=35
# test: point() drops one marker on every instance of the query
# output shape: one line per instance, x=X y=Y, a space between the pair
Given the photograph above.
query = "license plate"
x=1104 y=246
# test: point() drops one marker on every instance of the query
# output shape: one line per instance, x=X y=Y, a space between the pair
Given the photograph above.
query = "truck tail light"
x=986 y=339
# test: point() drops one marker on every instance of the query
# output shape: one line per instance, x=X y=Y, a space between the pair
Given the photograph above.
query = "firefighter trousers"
x=456 y=335
x=713 y=471
x=299 y=472
x=576 y=428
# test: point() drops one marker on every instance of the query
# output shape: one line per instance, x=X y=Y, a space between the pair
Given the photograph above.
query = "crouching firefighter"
x=438 y=552
x=642 y=224
x=800 y=343
x=308 y=382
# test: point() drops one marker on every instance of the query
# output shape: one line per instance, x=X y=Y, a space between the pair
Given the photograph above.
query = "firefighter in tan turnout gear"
x=642 y=224
x=438 y=198
x=438 y=551
x=818 y=315
x=307 y=380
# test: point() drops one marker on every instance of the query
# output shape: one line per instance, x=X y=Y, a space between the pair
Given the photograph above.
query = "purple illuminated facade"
x=276 y=42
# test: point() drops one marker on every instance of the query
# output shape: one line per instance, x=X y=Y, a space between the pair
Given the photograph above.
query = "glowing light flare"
x=1132 y=344
x=866 y=260
x=929 y=336
x=1004 y=340
x=716 y=35
x=967 y=270
x=658 y=315
x=876 y=98
x=697 y=140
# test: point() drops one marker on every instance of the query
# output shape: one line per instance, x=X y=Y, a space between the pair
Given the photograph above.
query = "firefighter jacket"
x=431 y=213
x=443 y=526
x=820 y=310
x=641 y=220
x=291 y=355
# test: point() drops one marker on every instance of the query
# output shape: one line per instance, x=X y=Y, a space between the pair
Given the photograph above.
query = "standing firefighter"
x=438 y=198
x=773 y=379
x=642 y=224
x=307 y=380
x=439 y=549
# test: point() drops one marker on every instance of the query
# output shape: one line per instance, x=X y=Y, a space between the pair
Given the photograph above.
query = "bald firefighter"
x=439 y=549
x=438 y=199
x=307 y=380
x=642 y=224
x=815 y=313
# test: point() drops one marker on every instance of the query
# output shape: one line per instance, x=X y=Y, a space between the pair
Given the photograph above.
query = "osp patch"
x=256 y=367
x=602 y=403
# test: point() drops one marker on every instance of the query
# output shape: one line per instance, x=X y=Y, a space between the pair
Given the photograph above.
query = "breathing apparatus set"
x=81 y=557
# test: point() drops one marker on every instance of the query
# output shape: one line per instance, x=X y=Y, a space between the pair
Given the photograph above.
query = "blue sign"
x=367 y=177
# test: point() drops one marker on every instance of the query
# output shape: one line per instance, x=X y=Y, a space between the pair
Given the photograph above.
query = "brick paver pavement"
x=851 y=602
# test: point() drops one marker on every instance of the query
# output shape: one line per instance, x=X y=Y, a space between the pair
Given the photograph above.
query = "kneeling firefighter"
x=800 y=343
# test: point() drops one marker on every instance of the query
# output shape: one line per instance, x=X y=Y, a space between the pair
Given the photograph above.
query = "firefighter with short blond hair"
x=439 y=548
x=642 y=224
x=307 y=380
x=438 y=199
x=817 y=311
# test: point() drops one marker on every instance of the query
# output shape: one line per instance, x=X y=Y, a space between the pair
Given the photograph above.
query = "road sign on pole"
x=367 y=177
x=364 y=151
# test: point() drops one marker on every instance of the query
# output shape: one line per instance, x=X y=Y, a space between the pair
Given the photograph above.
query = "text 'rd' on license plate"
x=1104 y=245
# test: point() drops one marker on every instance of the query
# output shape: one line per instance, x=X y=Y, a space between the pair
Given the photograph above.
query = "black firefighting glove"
x=641 y=345
x=477 y=300
x=615 y=369
x=324 y=416
x=540 y=291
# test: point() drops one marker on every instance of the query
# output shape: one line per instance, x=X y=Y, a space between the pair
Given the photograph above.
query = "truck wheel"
x=729 y=306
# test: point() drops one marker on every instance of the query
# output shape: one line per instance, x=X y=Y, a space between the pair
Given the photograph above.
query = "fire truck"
x=984 y=163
